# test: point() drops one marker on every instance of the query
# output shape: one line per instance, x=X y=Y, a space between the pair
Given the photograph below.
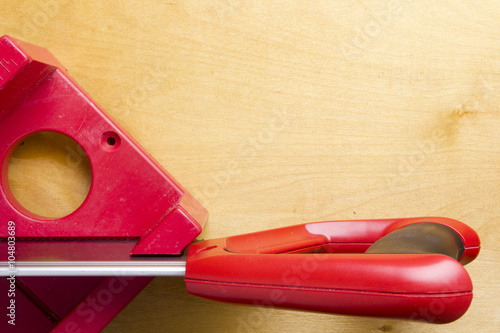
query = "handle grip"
x=323 y=267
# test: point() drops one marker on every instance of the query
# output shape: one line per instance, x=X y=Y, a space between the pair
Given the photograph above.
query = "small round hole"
x=111 y=141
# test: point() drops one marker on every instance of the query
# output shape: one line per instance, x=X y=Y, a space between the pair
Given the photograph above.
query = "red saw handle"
x=333 y=267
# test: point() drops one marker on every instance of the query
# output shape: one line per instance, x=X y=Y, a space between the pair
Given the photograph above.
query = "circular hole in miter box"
x=49 y=174
x=110 y=141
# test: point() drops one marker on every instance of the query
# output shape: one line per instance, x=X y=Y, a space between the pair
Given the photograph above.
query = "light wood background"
x=275 y=113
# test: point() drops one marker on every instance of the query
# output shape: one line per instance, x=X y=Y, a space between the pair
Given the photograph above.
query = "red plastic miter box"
x=132 y=199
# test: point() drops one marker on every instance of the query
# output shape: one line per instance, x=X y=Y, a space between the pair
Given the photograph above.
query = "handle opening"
x=420 y=238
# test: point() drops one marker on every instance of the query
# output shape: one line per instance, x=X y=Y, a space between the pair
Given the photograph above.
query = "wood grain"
x=276 y=113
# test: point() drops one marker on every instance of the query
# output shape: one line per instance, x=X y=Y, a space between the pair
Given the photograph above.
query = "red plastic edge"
x=102 y=304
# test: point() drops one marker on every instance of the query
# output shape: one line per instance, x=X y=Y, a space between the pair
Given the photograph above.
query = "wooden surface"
x=275 y=113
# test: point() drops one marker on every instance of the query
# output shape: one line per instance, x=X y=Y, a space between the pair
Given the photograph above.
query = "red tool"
x=402 y=268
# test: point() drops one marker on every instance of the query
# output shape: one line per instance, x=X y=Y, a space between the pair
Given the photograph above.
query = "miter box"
x=131 y=195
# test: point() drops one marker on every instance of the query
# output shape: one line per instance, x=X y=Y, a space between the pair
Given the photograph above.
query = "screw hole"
x=111 y=141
